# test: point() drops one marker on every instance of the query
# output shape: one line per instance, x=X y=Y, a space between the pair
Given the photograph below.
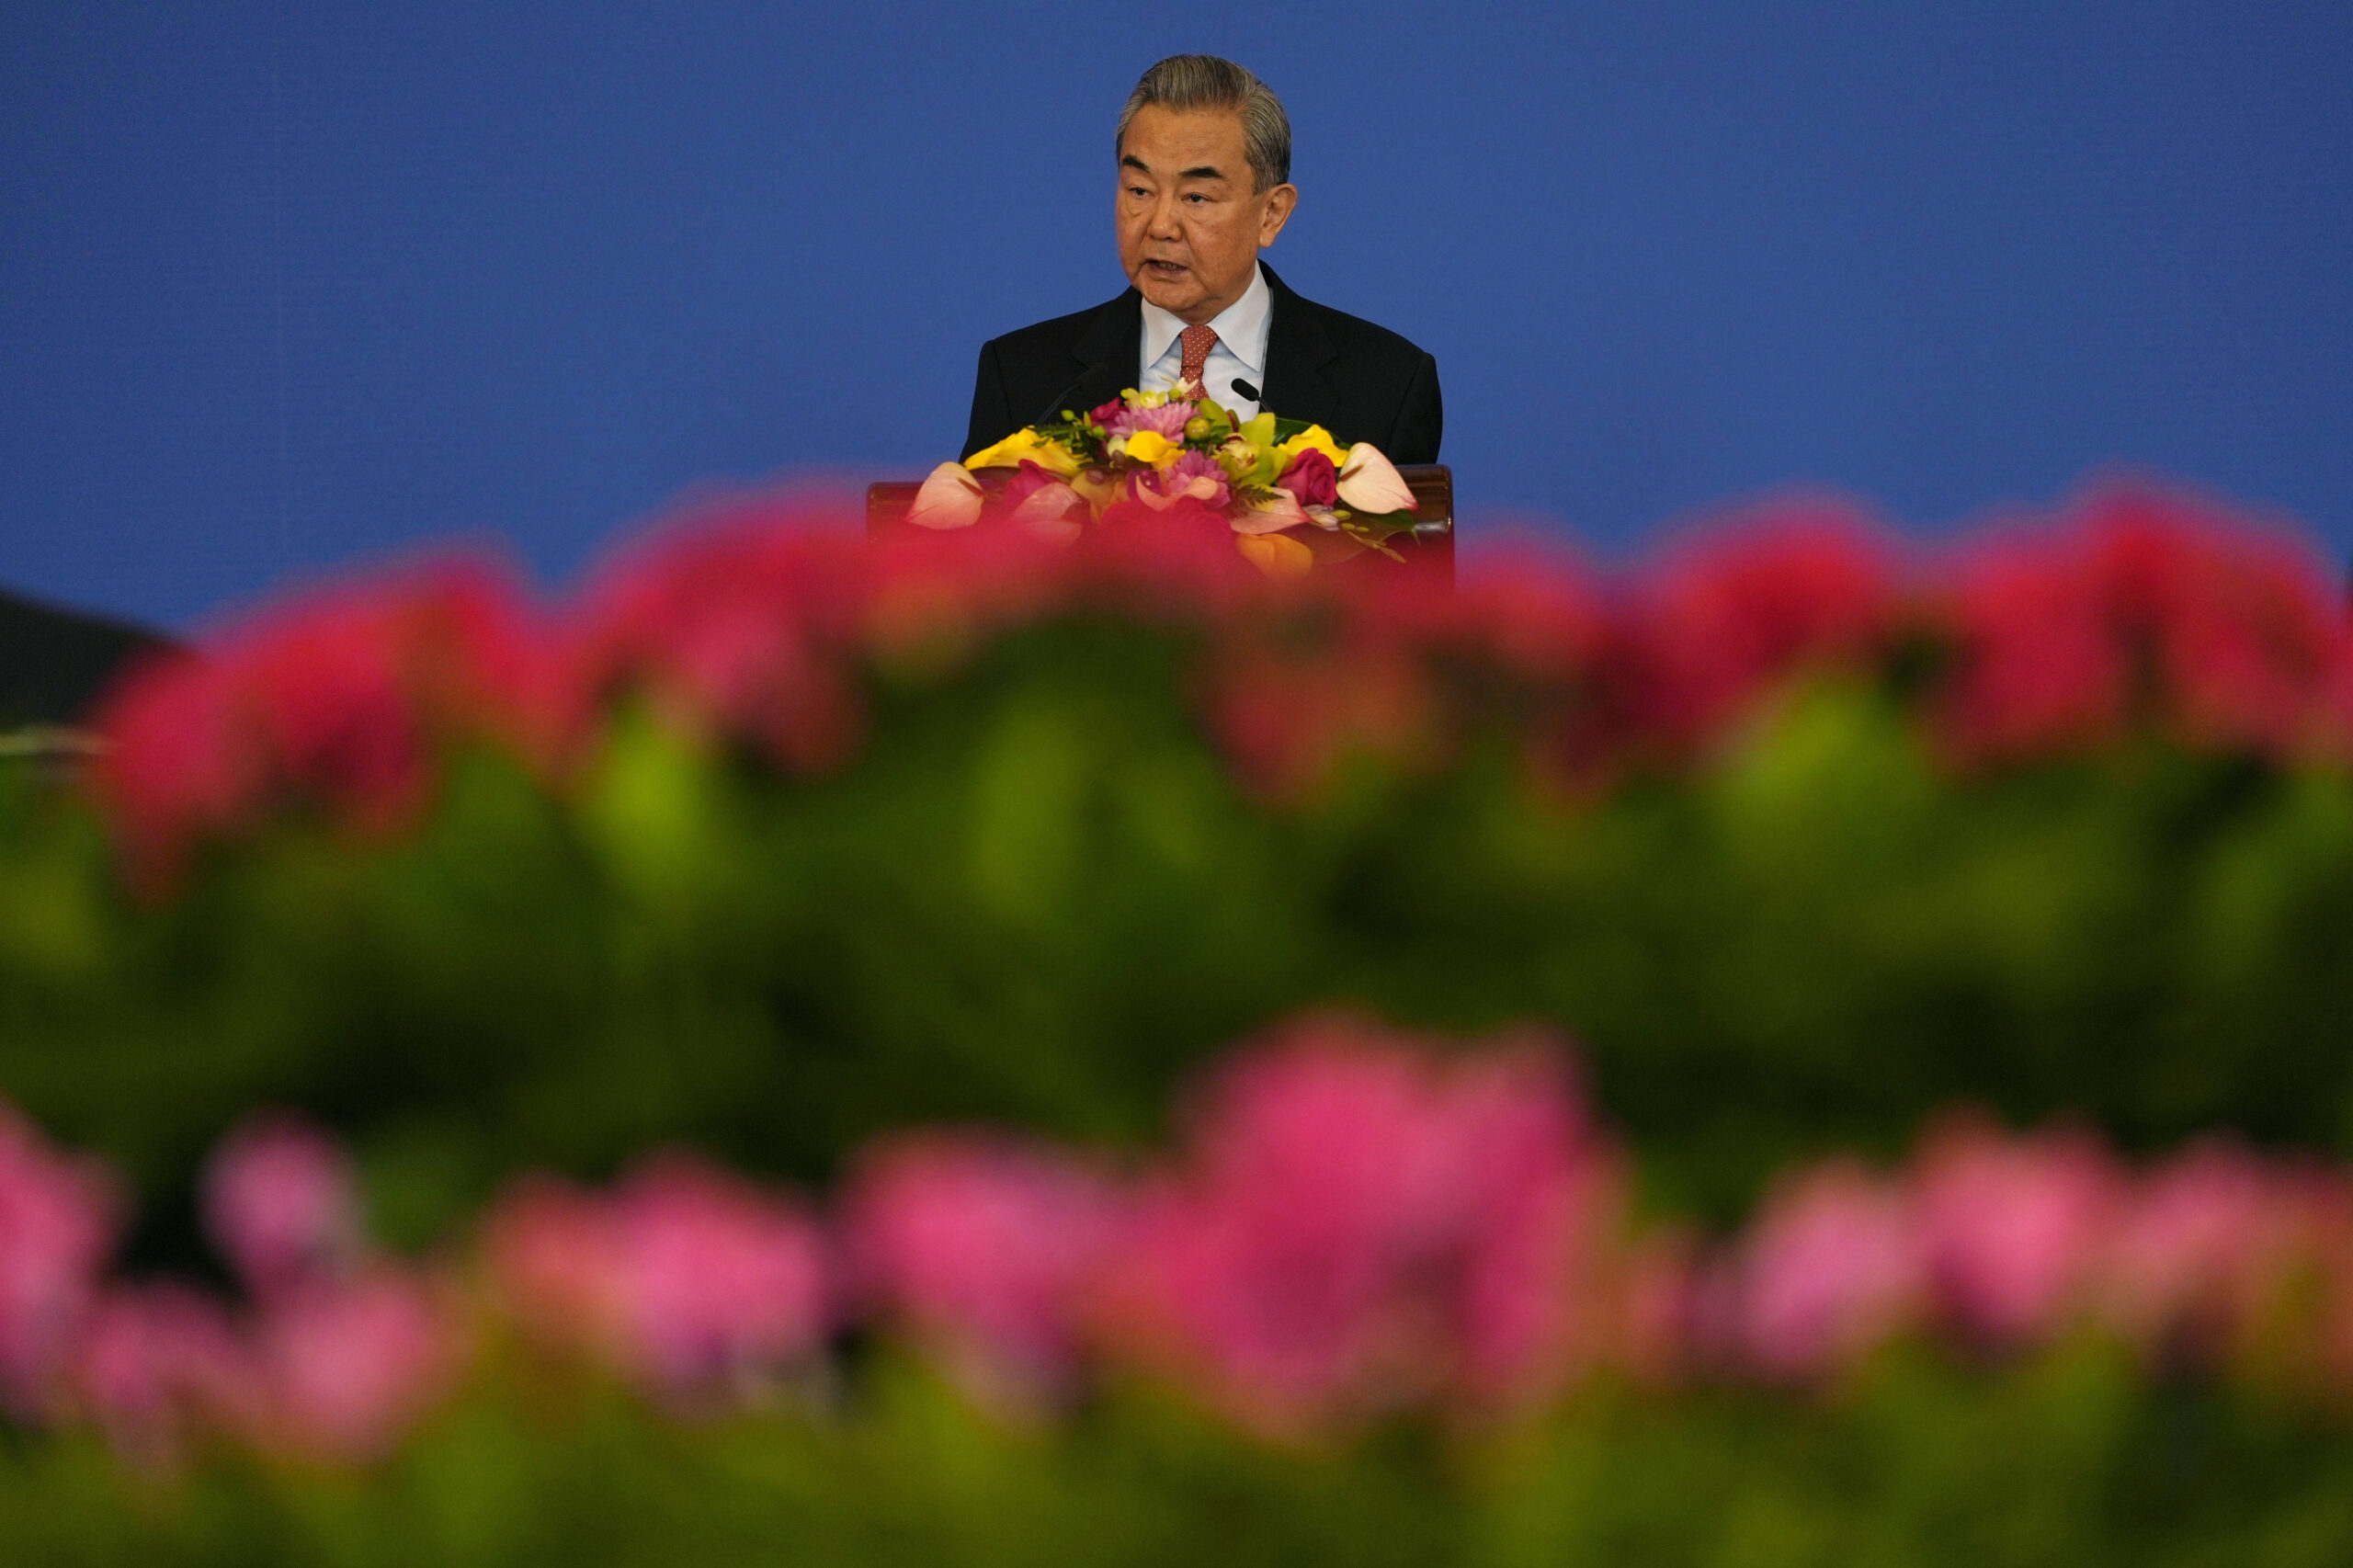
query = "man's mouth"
x=1164 y=268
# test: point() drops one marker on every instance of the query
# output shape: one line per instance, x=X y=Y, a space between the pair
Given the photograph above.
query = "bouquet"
x=1276 y=483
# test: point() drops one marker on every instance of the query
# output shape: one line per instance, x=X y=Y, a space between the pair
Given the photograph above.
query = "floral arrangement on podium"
x=1276 y=483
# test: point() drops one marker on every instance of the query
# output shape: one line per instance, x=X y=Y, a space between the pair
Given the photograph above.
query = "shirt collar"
x=1241 y=327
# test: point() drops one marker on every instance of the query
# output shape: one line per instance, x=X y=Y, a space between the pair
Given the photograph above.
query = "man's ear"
x=1276 y=212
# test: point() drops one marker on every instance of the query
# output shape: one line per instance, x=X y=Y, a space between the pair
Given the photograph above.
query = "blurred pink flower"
x=351 y=1363
x=691 y=1278
x=2035 y=665
x=1356 y=1227
x=1667 y=1301
x=57 y=1226
x=2248 y=627
x=278 y=1201
x=1726 y=617
x=1830 y=1268
x=2011 y=1225
x=743 y=630
x=1538 y=1191
x=983 y=1245
x=162 y=1364
x=2206 y=1240
x=339 y=703
x=2150 y=606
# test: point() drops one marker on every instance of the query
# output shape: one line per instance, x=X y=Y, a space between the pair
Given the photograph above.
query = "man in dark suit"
x=1204 y=151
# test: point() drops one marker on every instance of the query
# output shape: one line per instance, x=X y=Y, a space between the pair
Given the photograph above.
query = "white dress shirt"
x=1240 y=349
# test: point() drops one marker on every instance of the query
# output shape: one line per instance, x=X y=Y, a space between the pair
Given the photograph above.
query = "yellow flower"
x=1278 y=555
x=1097 y=488
x=1314 y=439
x=1026 y=446
x=1152 y=447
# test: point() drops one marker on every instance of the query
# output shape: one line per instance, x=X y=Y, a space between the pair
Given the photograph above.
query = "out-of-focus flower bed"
x=1359 y=1240
x=1841 y=858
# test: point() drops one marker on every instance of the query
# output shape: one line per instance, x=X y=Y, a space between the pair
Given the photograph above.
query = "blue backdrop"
x=282 y=285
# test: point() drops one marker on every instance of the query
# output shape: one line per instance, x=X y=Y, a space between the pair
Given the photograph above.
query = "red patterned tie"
x=1198 y=342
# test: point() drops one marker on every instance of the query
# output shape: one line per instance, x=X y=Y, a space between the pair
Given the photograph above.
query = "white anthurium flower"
x=1041 y=512
x=950 y=498
x=1370 y=484
x=1277 y=511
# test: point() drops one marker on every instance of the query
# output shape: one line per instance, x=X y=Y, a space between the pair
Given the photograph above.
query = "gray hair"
x=1189 y=82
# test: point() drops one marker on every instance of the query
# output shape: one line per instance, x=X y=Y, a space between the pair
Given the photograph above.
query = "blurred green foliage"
x=1037 y=894
x=2074 y=1459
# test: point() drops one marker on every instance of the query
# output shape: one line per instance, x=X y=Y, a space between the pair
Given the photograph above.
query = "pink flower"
x=690 y=1278
x=1311 y=479
x=57 y=1225
x=340 y=702
x=2206 y=1241
x=984 y=1246
x=1736 y=612
x=745 y=629
x=2035 y=665
x=1356 y=1229
x=160 y=1364
x=2147 y=607
x=1169 y=419
x=1537 y=1189
x=1194 y=476
x=278 y=1199
x=2012 y=1225
x=1040 y=501
x=1830 y=1269
x=352 y=1363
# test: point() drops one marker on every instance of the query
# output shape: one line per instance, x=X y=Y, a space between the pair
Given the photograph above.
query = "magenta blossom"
x=984 y=1246
x=1356 y=1227
x=1195 y=476
x=2207 y=1242
x=57 y=1225
x=690 y=1278
x=159 y=1363
x=1830 y=1269
x=351 y=1364
x=2011 y=1226
x=1169 y=419
x=278 y=1199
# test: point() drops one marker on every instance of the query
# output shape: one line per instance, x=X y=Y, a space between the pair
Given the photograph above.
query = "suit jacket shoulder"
x=1074 y=361
x=1359 y=380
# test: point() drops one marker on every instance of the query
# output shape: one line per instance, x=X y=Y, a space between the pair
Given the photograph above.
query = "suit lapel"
x=1298 y=349
x=1106 y=353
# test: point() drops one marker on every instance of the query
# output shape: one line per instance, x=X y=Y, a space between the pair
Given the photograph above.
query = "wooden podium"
x=1429 y=548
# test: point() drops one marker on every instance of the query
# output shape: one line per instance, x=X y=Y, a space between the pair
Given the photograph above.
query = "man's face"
x=1189 y=225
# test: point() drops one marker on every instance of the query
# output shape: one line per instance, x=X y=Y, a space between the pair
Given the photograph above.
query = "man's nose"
x=1167 y=220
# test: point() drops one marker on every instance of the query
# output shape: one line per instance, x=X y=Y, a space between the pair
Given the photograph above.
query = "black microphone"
x=1054 y=404
x=1243 y=390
